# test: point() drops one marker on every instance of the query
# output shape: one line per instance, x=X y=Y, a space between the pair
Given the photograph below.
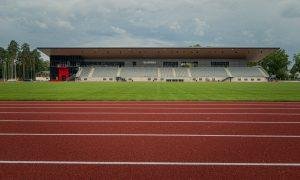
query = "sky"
x=148 y=23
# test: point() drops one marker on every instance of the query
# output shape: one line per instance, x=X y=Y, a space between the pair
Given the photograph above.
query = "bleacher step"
x=91 y=72
x=228 y=72
x=189 y=72
x=119 y=72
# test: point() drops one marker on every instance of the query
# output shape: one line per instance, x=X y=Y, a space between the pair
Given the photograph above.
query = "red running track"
x=149 y=140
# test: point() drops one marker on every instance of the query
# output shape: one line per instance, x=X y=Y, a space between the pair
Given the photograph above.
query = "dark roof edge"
x=158 y=47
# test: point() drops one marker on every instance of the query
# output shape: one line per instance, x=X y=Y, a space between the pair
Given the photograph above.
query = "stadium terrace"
x=157 y=64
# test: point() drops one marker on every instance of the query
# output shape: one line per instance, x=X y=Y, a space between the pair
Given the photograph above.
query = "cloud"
x=122 y=38
x=248 y=34
x=175 y=26
x=41 y=24
x=200 y=27
x=118 y=30
x=127 y=40
x=64 y=24
x=152 y=23
x=291 y=12
x=290 y=9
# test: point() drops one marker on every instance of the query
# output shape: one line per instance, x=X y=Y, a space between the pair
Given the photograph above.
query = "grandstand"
x=210 y=73
x=218 y=74
x=138 y=73
x=157 y=64
x=84 y=72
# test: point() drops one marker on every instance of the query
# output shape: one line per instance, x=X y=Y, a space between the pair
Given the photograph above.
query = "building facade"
x=66 y=62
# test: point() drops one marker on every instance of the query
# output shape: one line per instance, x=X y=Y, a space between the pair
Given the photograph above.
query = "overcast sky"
x=151 y=23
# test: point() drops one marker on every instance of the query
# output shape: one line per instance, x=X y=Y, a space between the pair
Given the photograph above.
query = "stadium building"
x=157 y=64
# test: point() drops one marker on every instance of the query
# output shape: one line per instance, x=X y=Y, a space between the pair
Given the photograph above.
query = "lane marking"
x=153 y=121
x=156 y=113
x=170 y=108
x=151 y=163
x=155 y=135
x=172 y=103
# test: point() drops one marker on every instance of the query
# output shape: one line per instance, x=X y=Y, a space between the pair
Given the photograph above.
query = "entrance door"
x=63 y=74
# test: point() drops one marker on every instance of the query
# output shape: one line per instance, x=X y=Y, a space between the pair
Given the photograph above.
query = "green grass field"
x=151 y=91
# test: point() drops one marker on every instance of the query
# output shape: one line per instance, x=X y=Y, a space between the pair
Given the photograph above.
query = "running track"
x=149 y=140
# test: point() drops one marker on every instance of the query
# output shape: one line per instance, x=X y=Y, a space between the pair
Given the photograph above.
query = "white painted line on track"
x=156 y=135
x=151 y=163
x=150 y=108
x=154 y=121
x=150 y=113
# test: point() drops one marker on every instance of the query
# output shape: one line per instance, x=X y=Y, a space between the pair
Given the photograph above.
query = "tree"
x=21 y=62
x=25 y=60
x=296 y=67
x=276 y=64
x=12 y=55
x=3 y=54
x=36 y=62
x=42 y=65
x=196 y=45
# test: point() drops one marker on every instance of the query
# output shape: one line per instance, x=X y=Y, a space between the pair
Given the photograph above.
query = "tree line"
x=19 y=62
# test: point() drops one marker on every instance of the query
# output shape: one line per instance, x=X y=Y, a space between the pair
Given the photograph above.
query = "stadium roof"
x=250 y=53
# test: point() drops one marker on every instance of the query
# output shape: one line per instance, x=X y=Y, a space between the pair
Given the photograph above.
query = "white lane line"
x=149 y=113
x=153 y=121
x=150 y=163
x=155 y=135
x=167 y=108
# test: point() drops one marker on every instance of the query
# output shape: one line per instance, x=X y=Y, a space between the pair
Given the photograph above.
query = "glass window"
x=219 y=64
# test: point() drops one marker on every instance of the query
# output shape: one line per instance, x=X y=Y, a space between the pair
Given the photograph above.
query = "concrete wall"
x=249 y=79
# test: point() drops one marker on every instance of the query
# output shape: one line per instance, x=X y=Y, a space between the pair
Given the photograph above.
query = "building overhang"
x=249 y=53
